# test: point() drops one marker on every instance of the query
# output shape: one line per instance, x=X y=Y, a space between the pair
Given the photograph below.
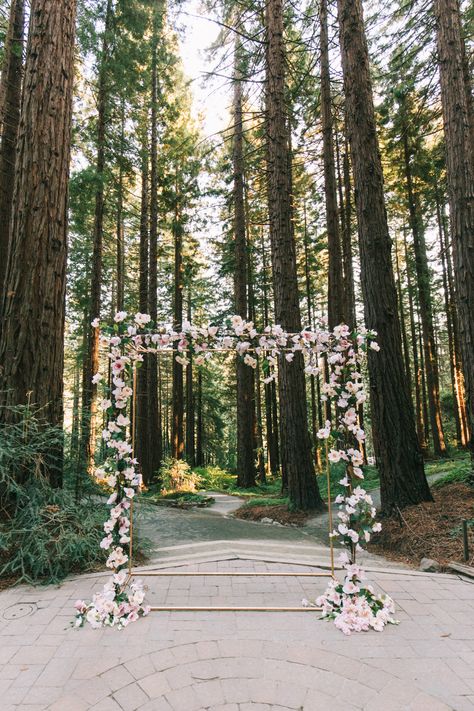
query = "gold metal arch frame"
x=217 y=574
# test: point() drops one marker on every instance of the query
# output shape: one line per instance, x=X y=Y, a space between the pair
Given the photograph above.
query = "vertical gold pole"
x=328 y=478
x=134 y=421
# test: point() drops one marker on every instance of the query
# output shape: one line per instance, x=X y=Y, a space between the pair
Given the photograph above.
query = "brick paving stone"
x=131 y=697
x=117 y=677
x=241 y=661
x=155 y=685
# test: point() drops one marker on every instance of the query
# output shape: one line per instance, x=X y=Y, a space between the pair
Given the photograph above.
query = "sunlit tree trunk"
x=426 y=310
x=190 y=414
x=177 y=415
x=456 y=99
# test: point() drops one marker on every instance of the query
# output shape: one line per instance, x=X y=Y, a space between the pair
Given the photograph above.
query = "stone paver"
x=240 y=661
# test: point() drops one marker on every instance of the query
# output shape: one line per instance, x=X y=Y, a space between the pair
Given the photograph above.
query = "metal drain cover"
x=20 y=609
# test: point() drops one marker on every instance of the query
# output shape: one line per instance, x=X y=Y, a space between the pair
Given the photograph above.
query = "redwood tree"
x=91 y=357
x=32 y=343
x=400 y=462
x=246 y=472
x=10 y=100
x=296 y=457
x=458 y=128
x=335 y=274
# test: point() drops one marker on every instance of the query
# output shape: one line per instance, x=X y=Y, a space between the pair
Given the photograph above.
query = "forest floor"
x=432 y=529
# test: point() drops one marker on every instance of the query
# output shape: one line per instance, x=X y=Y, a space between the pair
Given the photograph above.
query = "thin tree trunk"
x=155 y=444
x=120 y=223
x=297 y=464
x=335 y=274
x=141 y=423
x=349 y=288
x=458 y=129
x=91 y=358
x=190 y=419
x=32 y=343
x=246 y=472
x=177 y=418
x=420 y=425
x=199 y=423
x=271 y=430
x=10 y=103
x=314 y=408
x=401 y=310
x=452 y=312
x=397 y=450
x=426 y=309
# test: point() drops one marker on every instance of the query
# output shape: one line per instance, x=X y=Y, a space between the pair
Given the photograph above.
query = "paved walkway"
x=238 y=661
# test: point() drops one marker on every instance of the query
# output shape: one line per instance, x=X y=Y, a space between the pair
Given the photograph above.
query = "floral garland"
x=127 y=343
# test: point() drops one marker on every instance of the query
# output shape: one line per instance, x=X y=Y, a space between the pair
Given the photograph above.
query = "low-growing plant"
x=177 y=475
x=45 y=533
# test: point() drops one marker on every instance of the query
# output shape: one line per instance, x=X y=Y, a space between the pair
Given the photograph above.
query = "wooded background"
x=342 y=189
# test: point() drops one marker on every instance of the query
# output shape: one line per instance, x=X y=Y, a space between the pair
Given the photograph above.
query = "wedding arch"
x=128 y=341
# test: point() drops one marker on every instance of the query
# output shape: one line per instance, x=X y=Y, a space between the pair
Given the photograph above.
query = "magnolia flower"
x=120 y=316
x=95 y=323
x=377 y=527
x=129 y=492
x=334 y=455
x=112 y=499
x=248 y=360
x=374 y=346
x=142 y=319
x=120 y=577
x=123 y=420
x=105 y=404
x=107 y=542
x=97 y=378
x=289 y=357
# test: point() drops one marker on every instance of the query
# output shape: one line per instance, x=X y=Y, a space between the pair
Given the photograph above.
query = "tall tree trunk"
x=401 y=310
x=297 y=464
x=417 y=371
x=10 y=101
x=349 y=288
x=177 y=420
x=335 y=274
x=190 y=420
x=199 y=423
x=270 y=426
x=257 y=444
x=32 y=343
x=246 y=472
x=426 y=309
x=309 y=309
x=91 y=358
x=397 y=450
x=155 y=444
x=120 y=231
x=141 y=422
x=452 y=318
x=458 y=129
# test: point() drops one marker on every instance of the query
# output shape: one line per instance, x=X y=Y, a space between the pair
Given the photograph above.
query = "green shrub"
x=177 y=475
x=45 y=534
x=216 y=478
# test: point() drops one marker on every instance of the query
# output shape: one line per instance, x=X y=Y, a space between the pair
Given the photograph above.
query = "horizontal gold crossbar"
x=167 y=574
x=182 y=608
